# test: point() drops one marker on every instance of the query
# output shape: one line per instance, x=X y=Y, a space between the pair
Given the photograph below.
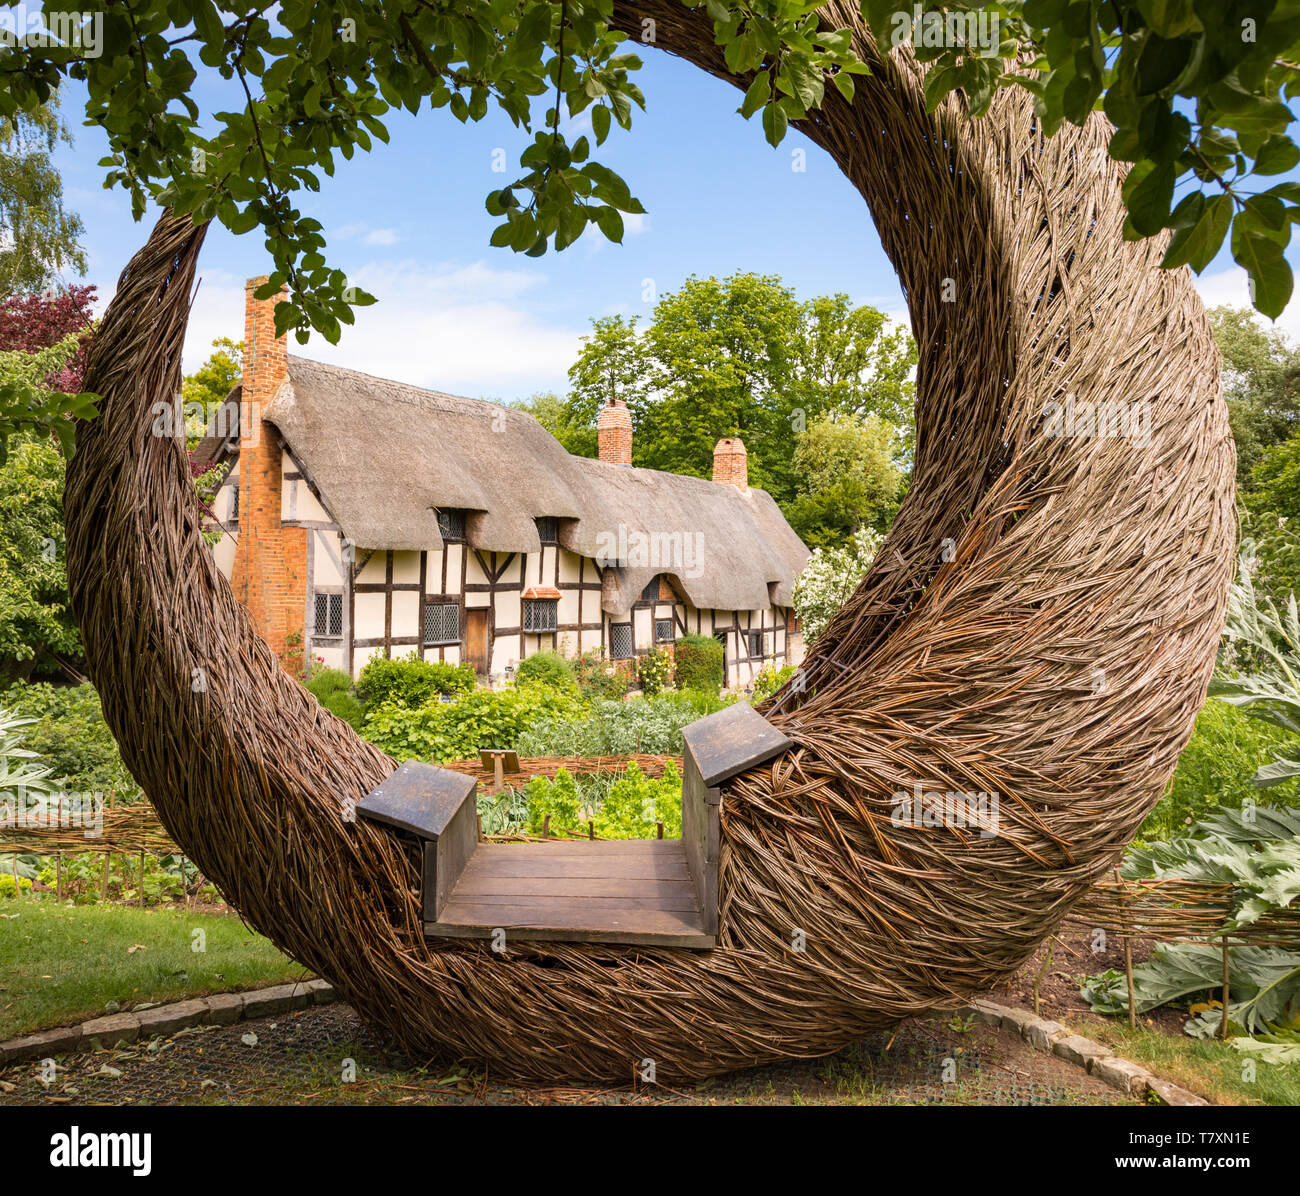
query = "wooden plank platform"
x=636 y=891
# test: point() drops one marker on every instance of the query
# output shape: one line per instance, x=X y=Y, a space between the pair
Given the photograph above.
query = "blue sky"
x=407 y=222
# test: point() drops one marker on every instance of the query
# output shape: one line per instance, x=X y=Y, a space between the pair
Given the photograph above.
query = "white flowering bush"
x=829 y=577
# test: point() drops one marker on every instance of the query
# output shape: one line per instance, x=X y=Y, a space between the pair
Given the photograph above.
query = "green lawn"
x=1208 y=1067
x=61 y=964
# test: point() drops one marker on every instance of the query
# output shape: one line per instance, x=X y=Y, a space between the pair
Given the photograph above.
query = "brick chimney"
x=614 y=433
x=270 y=569
x=731 y=462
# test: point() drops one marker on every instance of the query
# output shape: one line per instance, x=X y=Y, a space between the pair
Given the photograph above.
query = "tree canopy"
x=39 y=238
x=1197 y=91
x=743 y=356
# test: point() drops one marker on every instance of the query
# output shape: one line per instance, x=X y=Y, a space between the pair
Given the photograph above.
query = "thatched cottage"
x=360 y=516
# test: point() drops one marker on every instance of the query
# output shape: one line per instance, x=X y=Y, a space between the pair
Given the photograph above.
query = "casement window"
x=651 y=591
x=451 y=523
x=540 y=614
x=327 y=615
x=621 y=644
x=756 y=647
x=441 y=623
x=664 y=631
x=547 y=529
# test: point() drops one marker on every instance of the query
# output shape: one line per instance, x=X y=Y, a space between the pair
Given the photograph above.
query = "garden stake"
x=1128 y=958
x=1223 y=1016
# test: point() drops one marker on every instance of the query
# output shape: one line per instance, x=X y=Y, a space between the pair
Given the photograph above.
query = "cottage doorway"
x=476 y=640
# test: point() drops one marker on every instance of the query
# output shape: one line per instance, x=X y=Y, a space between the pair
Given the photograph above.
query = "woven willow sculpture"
x=1040 y=625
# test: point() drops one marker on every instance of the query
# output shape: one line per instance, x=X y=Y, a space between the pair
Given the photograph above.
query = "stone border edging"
x=1095 y=1059
x=222 y=1009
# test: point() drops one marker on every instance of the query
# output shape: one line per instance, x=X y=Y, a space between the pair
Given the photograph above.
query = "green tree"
x=208 y=386
x=36 y=626
x=610 y=365
x=1195 y=90
x=720 y=364
x=1261 y=384
x=851 y=361
x=743 y=356
x=38 y=236
x=847 y=478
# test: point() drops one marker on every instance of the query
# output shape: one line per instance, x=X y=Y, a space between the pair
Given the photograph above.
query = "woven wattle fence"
x=1040 y=626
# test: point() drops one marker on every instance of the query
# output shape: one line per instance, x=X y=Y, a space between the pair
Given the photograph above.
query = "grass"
x=61 y=964
x=1207 y=1067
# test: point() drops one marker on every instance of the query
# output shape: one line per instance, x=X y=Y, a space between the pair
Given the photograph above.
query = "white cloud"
x=381 y=236
x=464 y=328
x=1230 y=286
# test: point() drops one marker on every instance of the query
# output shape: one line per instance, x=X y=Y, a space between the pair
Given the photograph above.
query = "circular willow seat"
x=1040 y=625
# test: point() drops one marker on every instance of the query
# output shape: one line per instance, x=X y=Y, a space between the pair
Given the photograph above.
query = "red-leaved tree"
x=33 y=322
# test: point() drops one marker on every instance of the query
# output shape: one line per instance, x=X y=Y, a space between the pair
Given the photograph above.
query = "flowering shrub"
x=653 y=670
x=829 y=578
x=599 y=677
x=769 y=680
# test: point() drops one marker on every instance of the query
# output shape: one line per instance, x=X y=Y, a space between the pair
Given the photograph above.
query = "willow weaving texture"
x=1039 y=626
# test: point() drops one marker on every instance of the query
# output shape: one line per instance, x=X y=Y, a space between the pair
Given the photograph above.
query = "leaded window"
x=441 y=623
x=663 y=631
x=621 y=644
x=451 y=523
x=540 y=614
x=328 y=615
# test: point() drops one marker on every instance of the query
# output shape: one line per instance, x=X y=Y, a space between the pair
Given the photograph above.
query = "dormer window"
x=451 y=523
x=547 y=529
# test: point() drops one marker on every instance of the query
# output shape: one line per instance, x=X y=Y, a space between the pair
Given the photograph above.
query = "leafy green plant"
x=69 y=734
x=635 y=804
x=11 y=888
x=18 y=764
x=546 y=668
x=332 y=688
x=605 y=728
x=700 y=660
x=1215 y=769
x=554 y=799
x=410 y=681
x=1269 y=688
x=456 y=730
x=1257 y=852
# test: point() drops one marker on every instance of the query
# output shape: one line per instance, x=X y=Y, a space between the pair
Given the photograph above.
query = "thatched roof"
x=385 y=456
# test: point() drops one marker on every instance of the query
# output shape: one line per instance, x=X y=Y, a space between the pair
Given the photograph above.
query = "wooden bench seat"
x=636 y=891
x=660 y=892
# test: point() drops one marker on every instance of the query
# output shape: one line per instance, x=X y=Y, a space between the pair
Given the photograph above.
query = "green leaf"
x=1268 y=270
x=1149 y=199
x=1197 y=243
x=1277 y=155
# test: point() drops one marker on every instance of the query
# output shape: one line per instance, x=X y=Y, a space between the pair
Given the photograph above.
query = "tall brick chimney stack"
x=614 y=433
x=270 y=571
x=731 y=462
